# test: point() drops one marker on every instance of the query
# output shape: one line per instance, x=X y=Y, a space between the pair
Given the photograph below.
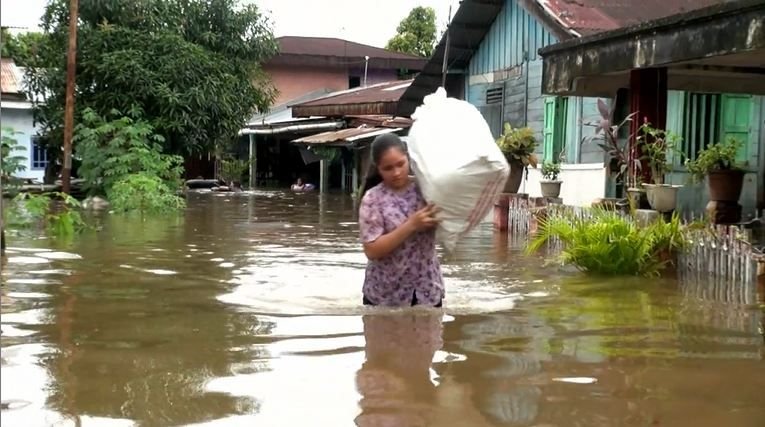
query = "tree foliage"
x=22 y=48
x=416 y=34
x=117 y=146
x=191 y=66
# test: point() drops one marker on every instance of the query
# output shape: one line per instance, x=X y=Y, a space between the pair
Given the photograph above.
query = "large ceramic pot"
x=662 y=197
x=550 y=188
x=516 y=177
x=725 y=185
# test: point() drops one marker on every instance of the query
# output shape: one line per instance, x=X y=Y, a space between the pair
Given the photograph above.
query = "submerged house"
x=494 y=64
x=18 y=117
x=308 y=69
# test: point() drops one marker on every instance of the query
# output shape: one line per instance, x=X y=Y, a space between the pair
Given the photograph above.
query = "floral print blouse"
x=411 y=270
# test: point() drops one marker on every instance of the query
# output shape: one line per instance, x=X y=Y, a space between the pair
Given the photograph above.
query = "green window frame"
x=554 y=128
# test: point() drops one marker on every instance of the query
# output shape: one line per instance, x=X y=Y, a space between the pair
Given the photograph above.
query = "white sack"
x=457 y=163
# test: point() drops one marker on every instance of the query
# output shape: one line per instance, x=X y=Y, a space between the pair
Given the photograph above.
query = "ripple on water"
x=29 y=260
x=58 y=255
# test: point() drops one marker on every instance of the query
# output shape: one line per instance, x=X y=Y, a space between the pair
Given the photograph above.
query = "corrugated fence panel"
x=513 y=34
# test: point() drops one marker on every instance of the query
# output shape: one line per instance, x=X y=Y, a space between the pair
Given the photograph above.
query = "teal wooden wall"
x=514 y=37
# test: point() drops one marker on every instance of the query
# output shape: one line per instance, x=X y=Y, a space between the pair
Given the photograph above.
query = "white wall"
x=582 y=183
x=20 y=119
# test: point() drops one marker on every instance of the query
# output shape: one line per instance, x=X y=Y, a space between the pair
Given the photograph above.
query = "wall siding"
x=514 y=36
x=21 y=120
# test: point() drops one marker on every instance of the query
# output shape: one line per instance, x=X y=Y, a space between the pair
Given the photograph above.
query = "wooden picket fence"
x=722 y=256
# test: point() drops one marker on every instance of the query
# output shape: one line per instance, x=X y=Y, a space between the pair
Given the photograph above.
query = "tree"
x=21 y=48
x=416 y=34
x=191 y=66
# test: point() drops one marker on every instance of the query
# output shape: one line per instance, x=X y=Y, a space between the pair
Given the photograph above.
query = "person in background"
x=397 y=228
x=299 y=185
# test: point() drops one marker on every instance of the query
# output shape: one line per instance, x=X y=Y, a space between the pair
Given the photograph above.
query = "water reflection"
x=245 y=310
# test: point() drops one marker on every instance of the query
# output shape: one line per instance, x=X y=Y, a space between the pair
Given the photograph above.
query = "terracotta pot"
x=516 y=177
x=725 y=185
x=550 y=188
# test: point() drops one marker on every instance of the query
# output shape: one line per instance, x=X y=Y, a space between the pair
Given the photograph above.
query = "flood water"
x=246 y=310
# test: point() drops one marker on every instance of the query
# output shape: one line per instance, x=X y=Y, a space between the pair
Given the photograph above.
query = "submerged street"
x=246 y=310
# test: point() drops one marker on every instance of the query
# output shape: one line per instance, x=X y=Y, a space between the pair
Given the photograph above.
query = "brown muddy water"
x=246 y=310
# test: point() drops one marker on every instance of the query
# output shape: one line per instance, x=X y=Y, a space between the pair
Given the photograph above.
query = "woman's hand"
x=424 y=219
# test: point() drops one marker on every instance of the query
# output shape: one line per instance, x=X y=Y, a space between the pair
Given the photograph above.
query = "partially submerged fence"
x=722 y=256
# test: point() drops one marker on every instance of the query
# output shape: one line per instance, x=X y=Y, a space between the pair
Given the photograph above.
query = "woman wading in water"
x=397 y=229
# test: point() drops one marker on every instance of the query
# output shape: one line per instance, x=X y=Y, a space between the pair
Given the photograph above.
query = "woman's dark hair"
x=380 y=145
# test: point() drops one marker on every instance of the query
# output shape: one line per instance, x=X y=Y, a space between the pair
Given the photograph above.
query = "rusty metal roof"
x=10 y=77
x=378 y=99
x=584 y=17
x=380 y=121
x=345 y=137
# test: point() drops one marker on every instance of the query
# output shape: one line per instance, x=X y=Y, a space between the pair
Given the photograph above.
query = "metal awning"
x=345 y=137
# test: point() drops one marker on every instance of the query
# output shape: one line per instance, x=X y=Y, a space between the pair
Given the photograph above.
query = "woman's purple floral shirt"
x=412 y=268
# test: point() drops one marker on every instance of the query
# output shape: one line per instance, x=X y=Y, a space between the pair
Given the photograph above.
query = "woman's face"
x=393 y=167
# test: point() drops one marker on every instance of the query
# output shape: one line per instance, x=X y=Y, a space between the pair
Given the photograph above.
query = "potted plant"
x=656 y=144
x=623 y=164
x=550 y=183
x=518 y=145
x=718 y=163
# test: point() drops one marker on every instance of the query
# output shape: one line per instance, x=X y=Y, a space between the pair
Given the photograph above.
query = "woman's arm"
x=424 y=219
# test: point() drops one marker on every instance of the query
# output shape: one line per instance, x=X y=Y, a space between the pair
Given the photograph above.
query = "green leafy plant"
x=12 y=163
x=719 y=156
x=330 y=154
x=113 y=148
x=145 y=193
x=550 y=171
x=607 y=135
x=232 y=170
x=656 y=146
x=58 y=214
x=608 y=243
x=518 y=145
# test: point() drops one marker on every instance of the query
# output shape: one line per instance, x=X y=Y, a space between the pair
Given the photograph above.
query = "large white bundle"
x=457 y=164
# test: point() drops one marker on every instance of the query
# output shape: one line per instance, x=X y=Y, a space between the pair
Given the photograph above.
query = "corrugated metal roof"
x=591 y=16
x=326 y=46
x=345 y=136
x=378 y=99
x=10 y=77
x=380 y=121
x=282 y=113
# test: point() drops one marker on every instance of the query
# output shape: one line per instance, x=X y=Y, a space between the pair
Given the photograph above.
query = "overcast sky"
x=370 y=22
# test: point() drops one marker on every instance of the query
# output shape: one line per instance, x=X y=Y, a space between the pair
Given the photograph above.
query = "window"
x=354 y=81
x=707 y=118
x=492 y=111
x=554 y=132
x=39 y=154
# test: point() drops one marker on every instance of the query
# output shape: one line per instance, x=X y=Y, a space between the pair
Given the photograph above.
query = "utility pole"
x=71 y=64
x=445 y=67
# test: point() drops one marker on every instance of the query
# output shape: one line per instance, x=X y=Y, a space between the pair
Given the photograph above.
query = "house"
x=307 y=64
x=286 y=141
x=16 y=113
x=698 y=74
x=493 y=51
x=306 y=69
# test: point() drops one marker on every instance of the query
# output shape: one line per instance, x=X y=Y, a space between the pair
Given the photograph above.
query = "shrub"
x=145 y=193
x=610 y=244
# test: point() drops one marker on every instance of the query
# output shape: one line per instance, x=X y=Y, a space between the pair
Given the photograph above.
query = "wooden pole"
x=445 y=67
x=71 y=63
